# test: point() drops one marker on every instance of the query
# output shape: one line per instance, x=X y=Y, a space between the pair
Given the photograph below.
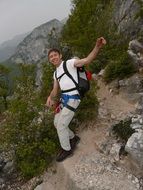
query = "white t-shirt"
x=65 y=82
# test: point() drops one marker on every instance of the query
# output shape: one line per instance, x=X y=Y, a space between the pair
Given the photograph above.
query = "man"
x=70 y=96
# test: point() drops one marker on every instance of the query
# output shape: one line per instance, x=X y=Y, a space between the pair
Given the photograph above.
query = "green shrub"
x=47 y=80
x=96 y=66
x=33 y=157
x=31 y=133
x=119 y=69
x=2 y=107
x=123 y=129
x=28 y=127
x=139 y=14
x=88 y=108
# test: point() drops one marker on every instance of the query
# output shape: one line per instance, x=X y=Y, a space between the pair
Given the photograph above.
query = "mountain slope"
x=33 y=48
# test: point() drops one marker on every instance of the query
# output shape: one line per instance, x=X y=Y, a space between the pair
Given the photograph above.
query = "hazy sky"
x=21 y=16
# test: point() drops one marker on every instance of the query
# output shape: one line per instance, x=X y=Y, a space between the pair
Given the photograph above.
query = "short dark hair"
x=54 y=50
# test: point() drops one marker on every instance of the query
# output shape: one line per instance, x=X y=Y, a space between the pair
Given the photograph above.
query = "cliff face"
x=128 y=17
x=32 y=48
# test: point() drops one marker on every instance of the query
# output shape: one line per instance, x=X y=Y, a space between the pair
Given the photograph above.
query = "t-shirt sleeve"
x=70 y=63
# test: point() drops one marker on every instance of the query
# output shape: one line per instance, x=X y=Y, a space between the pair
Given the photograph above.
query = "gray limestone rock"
x=134 y=147
x=124 y=17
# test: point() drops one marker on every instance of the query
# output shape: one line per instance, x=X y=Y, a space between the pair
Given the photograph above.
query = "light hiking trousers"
x=62 y=121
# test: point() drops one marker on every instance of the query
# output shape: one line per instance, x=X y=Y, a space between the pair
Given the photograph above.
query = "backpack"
x=83 y=84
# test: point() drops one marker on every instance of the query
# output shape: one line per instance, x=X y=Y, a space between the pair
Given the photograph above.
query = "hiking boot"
x=63 y=155
x=74 y=141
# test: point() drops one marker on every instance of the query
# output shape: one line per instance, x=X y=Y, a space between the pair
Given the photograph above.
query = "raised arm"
x=51 y=98
x=92 y=55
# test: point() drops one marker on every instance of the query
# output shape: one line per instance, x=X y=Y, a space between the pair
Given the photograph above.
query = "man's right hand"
x=50 y=103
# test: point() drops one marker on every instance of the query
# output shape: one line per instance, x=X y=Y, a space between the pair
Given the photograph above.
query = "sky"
x=21 y=16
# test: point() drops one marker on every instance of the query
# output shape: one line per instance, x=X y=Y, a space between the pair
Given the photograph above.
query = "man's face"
x=55 y=58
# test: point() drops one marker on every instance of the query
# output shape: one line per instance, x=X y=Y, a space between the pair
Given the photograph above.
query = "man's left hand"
x=100 y=42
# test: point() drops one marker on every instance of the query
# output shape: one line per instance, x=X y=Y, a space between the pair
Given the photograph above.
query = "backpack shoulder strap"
x=69 y=75
x=58 y=78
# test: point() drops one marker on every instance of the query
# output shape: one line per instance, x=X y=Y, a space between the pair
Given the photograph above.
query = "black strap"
x=58 y=78
x=69 y=75
x=69 y=90
x=70 y=108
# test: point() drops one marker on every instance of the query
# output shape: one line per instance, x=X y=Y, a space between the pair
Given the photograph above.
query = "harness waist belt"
x=66 y=97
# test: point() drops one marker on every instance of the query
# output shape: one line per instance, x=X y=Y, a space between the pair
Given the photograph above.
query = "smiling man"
x=70 y=97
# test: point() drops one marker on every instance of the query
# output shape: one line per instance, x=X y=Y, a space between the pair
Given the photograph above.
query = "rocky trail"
x=95 y=164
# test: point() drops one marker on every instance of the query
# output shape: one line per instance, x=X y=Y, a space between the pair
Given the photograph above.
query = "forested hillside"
x=118 y=21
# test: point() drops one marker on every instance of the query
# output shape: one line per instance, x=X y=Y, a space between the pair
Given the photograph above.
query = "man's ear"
x=61 y=56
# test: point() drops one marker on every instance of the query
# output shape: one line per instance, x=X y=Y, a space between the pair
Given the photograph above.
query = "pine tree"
x=4 y=86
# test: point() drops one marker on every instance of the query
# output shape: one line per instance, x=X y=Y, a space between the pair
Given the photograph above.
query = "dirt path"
x=88 y=169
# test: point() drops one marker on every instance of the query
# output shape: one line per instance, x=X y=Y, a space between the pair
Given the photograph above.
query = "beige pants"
x=62 y=121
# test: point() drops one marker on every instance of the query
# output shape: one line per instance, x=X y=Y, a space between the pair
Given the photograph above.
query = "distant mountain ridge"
x=8 y=48
x=15 y=40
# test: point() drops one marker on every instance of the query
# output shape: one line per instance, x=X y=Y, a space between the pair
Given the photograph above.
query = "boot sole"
x=70 y=155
